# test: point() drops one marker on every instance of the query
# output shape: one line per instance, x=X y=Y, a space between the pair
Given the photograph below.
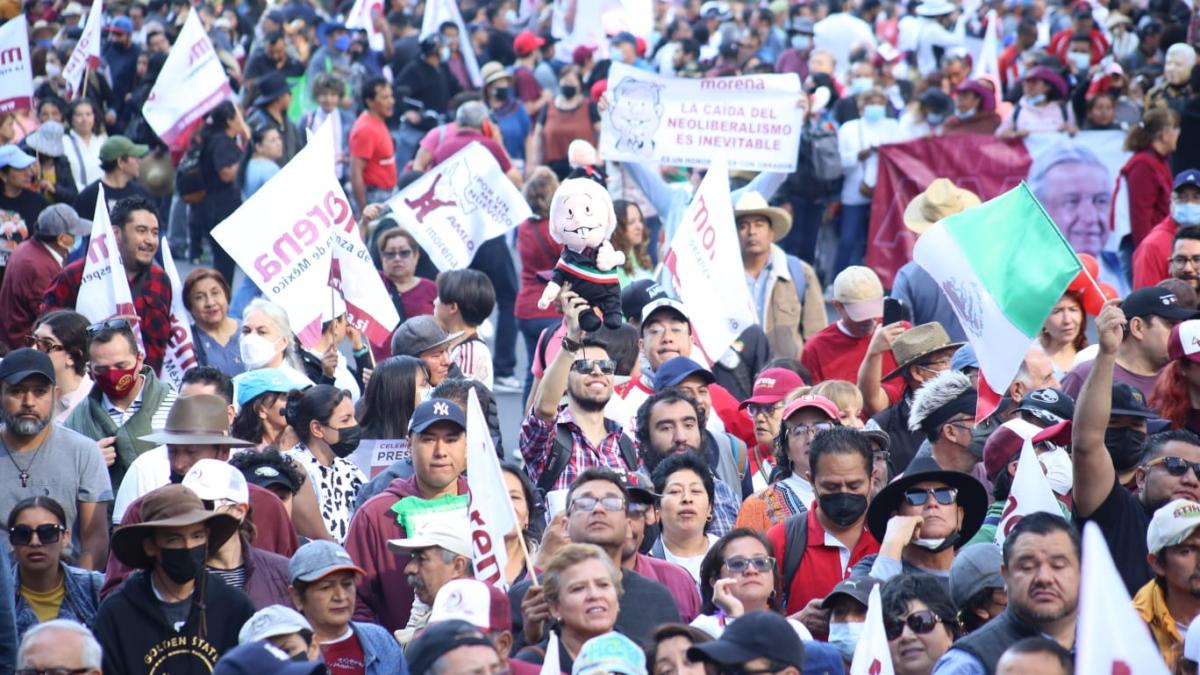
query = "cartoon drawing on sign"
x=426 y=203
x=582 y=219
x=635 y=113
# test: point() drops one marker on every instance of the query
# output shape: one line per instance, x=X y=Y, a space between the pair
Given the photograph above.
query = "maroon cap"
x=1002 y=447
x=581 y=54
x=811 y=401
x=772 y=386
x=500 y=611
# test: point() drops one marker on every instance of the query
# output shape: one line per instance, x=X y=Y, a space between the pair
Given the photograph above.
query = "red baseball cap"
x=1184 y=342
x=811 y=401
x=581 y=54
x=772 y=386
x=526 y=42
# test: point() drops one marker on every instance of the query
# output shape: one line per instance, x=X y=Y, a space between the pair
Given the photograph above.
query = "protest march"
x=590 y=337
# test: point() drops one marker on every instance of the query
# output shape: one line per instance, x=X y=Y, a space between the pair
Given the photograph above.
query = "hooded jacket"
x=1151 y=604
x=136 y=638
x=384 y=596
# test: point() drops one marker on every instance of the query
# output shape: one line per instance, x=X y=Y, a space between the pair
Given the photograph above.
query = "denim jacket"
x=81 y=598
x=381 y=653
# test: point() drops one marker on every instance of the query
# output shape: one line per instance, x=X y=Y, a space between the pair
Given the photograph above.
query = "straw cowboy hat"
x=200 y=419
x=169 y=506
x=940 y=200
x=752 y=204
x=918 y=342
x=493 y=71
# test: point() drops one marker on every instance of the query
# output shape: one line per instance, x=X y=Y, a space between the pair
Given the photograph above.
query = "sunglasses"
x=44 y=345
x=918 y=497
x=1176 y=466
x=22 y=535
x=111 y=324
x=921 y=623
x=739 y=565
x=588 y=504
x=756 y=409
x=809 y=429
x=403 y=255
x=585 y=366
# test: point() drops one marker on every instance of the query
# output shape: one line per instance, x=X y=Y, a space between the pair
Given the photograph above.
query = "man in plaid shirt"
x=135 y=223
x=584 y=370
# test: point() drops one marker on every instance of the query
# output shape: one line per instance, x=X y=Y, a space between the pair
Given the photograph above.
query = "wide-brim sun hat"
x=972 y=497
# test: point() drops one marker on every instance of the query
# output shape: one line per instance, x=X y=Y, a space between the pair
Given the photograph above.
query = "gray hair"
x=278 y=316
x=1182 y=48
x=935 y=393
x=471 y=115
x=1066 y=152
x=92 y=654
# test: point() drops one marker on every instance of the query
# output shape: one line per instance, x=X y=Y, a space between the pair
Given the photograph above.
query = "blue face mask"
x=1080 y=60
x=873 y=112
x=801 y=41
x=1186 y=214
x=1036 y=99
x=860 y=84
x=935 y=119
x=966 y=114
x=341 y=43
x=844 y=637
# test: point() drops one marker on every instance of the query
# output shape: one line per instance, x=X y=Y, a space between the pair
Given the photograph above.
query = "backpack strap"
x=741 y=455
x=560 y=454
x=795 y=533
x=799 y=278
x=1016 y=114
x=628 y=452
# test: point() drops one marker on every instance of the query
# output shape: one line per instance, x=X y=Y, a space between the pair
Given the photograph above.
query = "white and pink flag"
x=86 y=55
x=104 y=290
x=16 y=73
x=192 y=82
x=181 y=344
x=489 y=510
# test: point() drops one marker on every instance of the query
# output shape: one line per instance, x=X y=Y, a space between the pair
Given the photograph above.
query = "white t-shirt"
x=689 y=563
x=150 y=471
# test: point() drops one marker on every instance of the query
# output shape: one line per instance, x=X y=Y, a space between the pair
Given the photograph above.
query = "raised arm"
x=1094 y=472
x=554 y=382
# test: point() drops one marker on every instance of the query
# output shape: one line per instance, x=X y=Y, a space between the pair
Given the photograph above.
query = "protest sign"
x=489 y=510
x=373 y=456
x=86 y=55
x=872 y=656
x=1030 y=491
x=16 y=73
x=685 y=122
x=1073 y=177
x=181 y=345
x=369 y=308
x=104 y=288
x=457 y=206
x=704 y=267
x=281 y=237
x=191 y=83
x=438 y=12
x=362 y=16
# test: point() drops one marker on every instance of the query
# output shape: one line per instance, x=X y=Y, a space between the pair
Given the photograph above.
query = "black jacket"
x=136 y=638
x=997 y=635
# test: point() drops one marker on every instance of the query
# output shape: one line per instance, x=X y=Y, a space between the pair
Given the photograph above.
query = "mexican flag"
x=1003 y=265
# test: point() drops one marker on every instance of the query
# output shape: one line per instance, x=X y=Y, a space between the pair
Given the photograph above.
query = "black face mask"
x=500 y=94
x=176 y=478
x=568 y=90
x=348 y=439
x=1125 y=445
x=182 y=565
x=843 y=508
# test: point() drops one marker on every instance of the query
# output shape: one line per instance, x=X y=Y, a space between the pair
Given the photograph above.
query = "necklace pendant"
x=24 y=476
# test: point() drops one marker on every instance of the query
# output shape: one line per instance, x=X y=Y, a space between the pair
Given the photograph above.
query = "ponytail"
x=1153 y=123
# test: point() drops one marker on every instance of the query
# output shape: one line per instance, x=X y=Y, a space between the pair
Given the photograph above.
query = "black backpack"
x=795 y=540
x=819 y=164
x=560 y=456
x=189 y=177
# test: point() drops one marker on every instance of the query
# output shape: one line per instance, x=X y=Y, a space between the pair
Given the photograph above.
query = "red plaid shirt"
x=151 y=290
x=537 y=440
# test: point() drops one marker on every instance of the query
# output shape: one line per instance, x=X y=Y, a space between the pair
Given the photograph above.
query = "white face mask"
x=257 y=351
x=53 y=70
x=844 y=637
x=1059 y=472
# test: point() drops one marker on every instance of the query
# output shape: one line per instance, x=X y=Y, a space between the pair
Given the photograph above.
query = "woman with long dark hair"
x=398 y=385
x=1147 y=174
x=323 y=418
x=530 y=517
x=633 y=239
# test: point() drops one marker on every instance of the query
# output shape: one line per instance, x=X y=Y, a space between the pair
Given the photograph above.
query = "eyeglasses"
x=756 y=409
x=44 y=345
x=403 y=255
x=1183 y=260
x=935 y=366
x=943 y=495
x=636 y=510
x=1176 y=466
x=585 y=366
x=739 y=564
x=589 y=504
x=809 y=429
x=657 y=330
x=22 y=535
x=111 y=324
x=921 y=623
x=53 y=671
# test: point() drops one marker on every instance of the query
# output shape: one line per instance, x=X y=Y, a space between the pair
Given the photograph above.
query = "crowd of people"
x=672 y=516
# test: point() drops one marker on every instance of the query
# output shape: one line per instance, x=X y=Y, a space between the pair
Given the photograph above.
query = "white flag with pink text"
x=86 y=55
x=489 y=511
x=104 y=289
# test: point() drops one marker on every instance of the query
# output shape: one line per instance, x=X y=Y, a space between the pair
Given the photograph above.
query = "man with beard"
x=671 y=422
x=1164 y=470
x=1041 y=573
x=439 y=552
x=1172 y=599
x=559 y=443
x=45 y=459
x=135 y=225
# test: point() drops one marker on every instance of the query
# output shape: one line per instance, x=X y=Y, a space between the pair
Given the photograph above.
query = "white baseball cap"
x=465 y=600
x=213 y=480
x=1172 y=524
x=451 y=536
x=272 y=621
x=860 y=292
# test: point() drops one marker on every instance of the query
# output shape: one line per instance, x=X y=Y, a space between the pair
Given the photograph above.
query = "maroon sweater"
x=1149 y=180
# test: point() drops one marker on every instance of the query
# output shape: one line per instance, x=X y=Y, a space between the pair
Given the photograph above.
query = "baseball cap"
x=214 y=481
x=857 y=586
x=265 y=476
x=1049 y=405
x=263 y=658
x=635 y=296
x=1004 y=445
x=754 y=634
x=440 y=639
x=859 y=290
x=438 y=532
x=772 y=386
x=272 y=621
x=812 y=401
x=1127 y=400
x=975 y=568
x=11 y=155
x=964 y=357
x=319 y=558
x=1187 y=177
x=481 y=605
x=1081 y=10
x=121 y=24
x=1172 y=524
x=624 y=36
x=24 y=362
x=119 y=146
x=73 y=9
x=1156 y=301
x=254 y=383
x=803 y=25
x=655 y=299
x=420 y=334
x=436 y=410
x=525 y=42
x=640 y=488
x=676 y=370
x=59 y=219
x=581 y=54
x=1185 y=342
x=610 y=653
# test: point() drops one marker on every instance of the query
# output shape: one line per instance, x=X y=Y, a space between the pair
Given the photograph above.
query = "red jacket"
x=676 y=579
x=1009 y=74
x=1150 y=257
x=1060 y=44
x=1148 y=183
x=31 y=269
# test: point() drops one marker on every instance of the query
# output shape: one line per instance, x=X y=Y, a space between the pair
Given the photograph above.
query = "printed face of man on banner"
x=1076 y=189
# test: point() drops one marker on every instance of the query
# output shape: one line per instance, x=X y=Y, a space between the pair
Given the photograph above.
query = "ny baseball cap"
x=320 y=558
x=438 y=532
x=1155 y=301
x=1187 y=177
x=272 y=621
x=772 y=386
x=1172 y=524
x=1184 y=342
x=59 y=219
x=25 y=362
x=436 y=410
x=860 y=292
x=215 y=481
x=677 y=369
x=481 y=605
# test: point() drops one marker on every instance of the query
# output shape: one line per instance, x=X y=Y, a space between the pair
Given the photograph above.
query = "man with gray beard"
x=44 y=459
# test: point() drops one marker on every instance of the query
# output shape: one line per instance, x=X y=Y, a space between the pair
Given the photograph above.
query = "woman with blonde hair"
x=848 y=399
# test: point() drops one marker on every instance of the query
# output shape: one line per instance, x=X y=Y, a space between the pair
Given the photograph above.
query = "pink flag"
x=181 y=347
x=104 y=289
x=86 y=55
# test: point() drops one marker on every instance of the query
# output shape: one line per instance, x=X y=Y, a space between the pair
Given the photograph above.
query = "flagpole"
x=1095 y=284
x=528 y=559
